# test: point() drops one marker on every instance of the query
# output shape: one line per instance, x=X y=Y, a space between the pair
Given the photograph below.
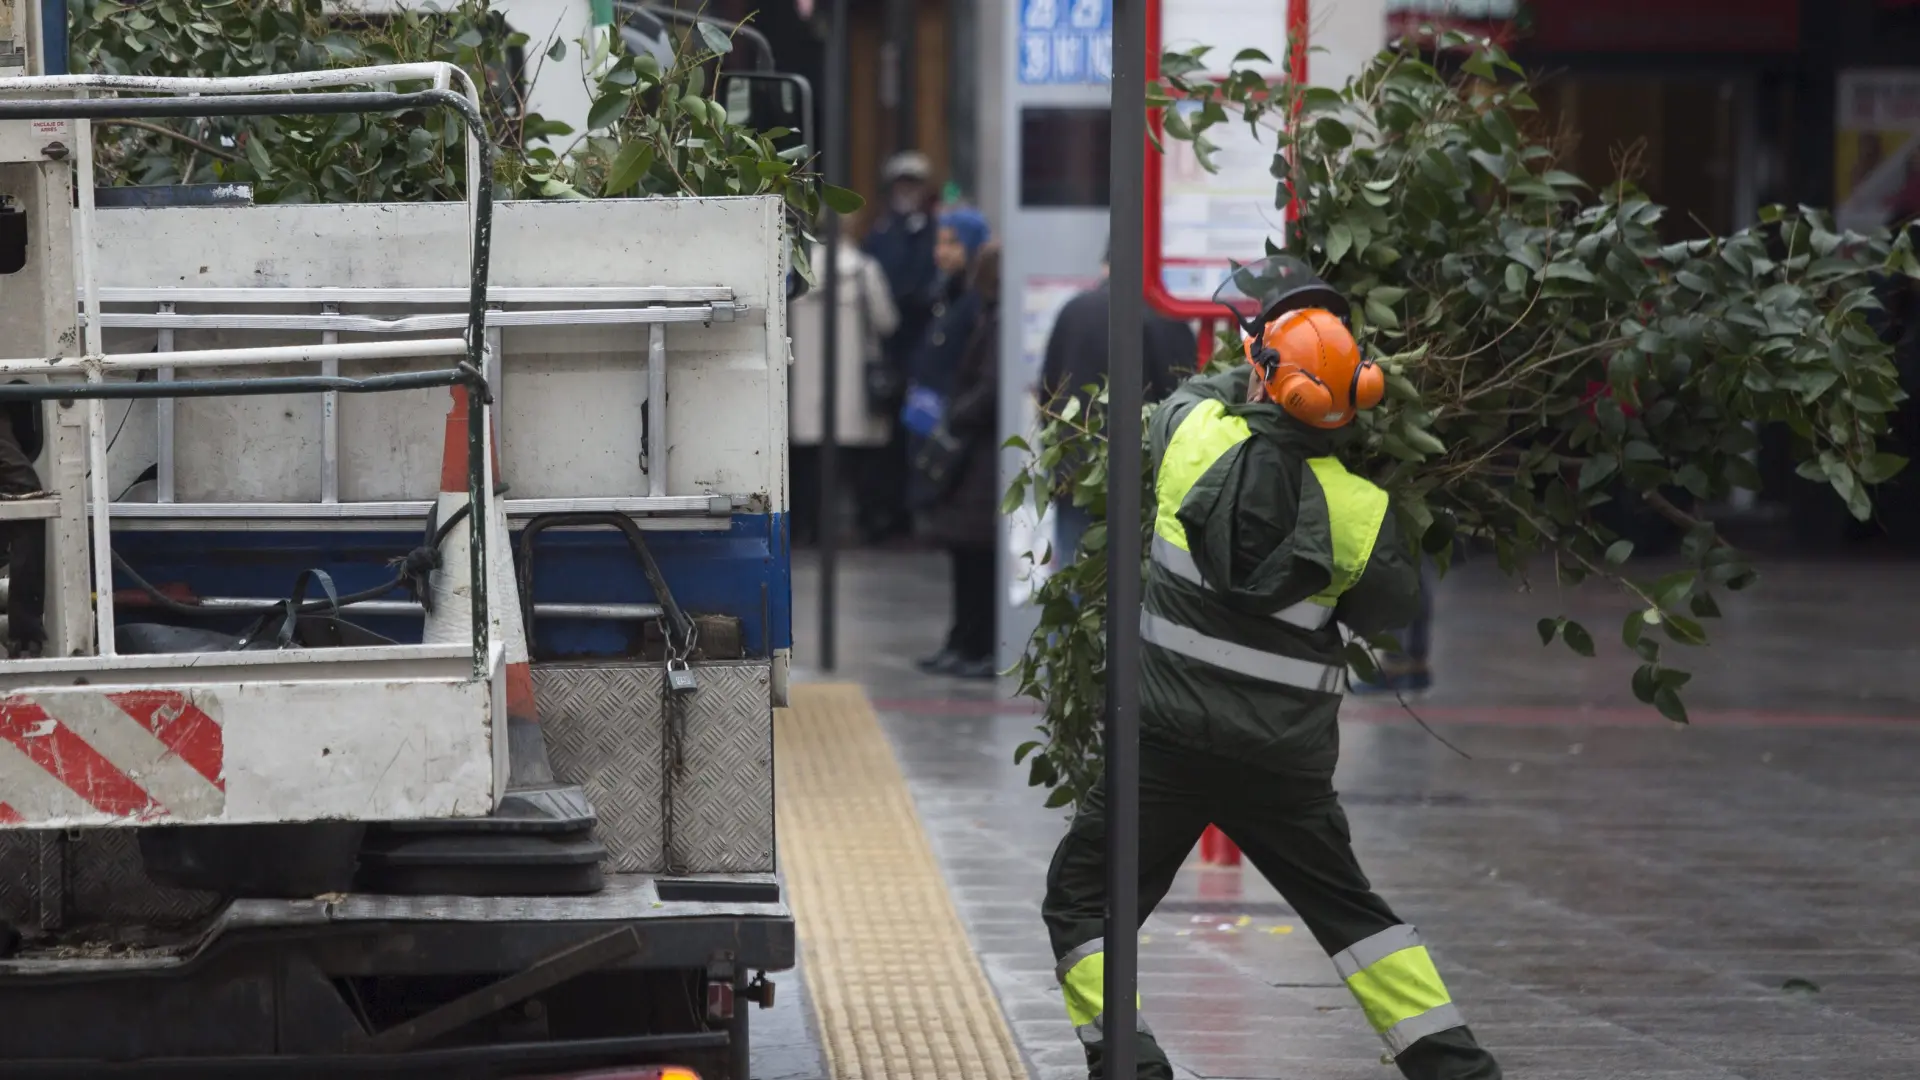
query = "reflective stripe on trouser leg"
x=1083 y=974
x=1398 y=987
x=1306 y=614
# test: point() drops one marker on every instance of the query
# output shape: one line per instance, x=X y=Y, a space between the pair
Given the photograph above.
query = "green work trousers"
x=1294 y=832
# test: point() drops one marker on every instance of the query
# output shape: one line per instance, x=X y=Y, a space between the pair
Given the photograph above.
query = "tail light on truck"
x=632 y=1073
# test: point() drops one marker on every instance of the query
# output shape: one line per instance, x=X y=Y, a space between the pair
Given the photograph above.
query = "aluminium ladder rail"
x=658 y=306
x=261 y=96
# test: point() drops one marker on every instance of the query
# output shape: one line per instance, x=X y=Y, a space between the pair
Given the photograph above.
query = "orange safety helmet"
x=1314 y=369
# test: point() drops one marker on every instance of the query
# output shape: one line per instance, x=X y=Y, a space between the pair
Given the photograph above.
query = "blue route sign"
x=1066 y=42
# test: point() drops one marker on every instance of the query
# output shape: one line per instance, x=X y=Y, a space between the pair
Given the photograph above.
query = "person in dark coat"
x=965 y=519
x=953 y=304
x=902 y=242
x=1076 y=357
x=956 y=308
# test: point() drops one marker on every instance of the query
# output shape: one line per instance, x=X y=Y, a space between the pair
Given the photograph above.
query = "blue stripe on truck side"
x=744 y=571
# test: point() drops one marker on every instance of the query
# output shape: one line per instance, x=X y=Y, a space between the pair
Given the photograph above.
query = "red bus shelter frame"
x=1156 y=291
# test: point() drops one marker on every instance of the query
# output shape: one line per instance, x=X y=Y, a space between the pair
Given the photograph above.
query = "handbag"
x=886 y=384
x=939 y=461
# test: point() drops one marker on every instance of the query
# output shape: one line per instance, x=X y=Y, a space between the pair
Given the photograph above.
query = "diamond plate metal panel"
x=105 y=883
x=20 y=877
x=603 y=733
x=603 y=730
x=723 y=805
x=108 y=884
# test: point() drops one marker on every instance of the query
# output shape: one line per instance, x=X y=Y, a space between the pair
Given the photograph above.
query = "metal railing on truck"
x=266 y=95
x=289 y=734
x=654 y=306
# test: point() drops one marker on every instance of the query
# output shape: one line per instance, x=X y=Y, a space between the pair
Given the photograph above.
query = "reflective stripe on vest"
x=1251 y=662
x=1394 y=979
x=1307 y=614
x=1083 y=975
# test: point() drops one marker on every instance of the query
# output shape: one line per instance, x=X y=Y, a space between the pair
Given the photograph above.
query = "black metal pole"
x=53 y=37
x=1124 y=379
x=834 y=135
x=902 y=19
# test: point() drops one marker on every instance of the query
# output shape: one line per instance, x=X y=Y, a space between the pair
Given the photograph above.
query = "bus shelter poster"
x=1030 y=537
x=1877 y=152
x=1211 y=220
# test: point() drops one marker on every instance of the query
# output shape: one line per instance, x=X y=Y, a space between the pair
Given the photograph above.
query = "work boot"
x=1151 y=1062
x=981 y=668
x=1452 y=1054
x=940 y=663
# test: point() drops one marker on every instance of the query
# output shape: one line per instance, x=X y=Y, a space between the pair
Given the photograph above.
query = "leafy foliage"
x=1547 y=353
x=654 y=131
x=297 y=159
x=1065 y=665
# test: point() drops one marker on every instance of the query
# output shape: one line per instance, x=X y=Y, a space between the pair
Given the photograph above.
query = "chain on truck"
x=415 y=606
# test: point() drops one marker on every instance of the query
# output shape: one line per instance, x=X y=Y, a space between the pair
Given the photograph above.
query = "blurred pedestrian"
x=862 y=426
x=937 y=454
x=954 y=307
x=1406 y=671
x=1076 y=358
x=964 y=517
x=902 y=242
x=952 y=303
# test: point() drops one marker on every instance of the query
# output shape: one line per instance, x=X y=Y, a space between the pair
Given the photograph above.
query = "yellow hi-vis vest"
x=1356 y=510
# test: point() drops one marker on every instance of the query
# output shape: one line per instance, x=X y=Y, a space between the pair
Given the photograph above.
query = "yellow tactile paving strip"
x=899 y=993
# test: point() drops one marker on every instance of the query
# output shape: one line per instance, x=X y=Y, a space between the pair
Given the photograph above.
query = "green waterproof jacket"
x=1264 y=546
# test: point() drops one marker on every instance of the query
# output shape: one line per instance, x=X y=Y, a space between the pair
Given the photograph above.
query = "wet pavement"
x=1610 y=896
x=785 y=1042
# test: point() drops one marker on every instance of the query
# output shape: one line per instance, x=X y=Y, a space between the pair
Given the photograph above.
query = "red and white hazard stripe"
x=140 y=755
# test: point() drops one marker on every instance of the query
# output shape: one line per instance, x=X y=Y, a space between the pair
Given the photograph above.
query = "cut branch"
x=1665 y=508
x=177 y=136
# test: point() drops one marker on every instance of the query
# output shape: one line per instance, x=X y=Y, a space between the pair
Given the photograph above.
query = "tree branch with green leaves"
x=651 y=132
x=1547 y=353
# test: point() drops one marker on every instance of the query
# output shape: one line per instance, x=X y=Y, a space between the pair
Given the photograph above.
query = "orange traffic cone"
x=1217 y=850
x=538 y=840
x=531 y=788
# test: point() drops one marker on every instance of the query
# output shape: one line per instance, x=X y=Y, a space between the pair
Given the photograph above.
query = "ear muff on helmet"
x=1369 y=386
x=1302 y=395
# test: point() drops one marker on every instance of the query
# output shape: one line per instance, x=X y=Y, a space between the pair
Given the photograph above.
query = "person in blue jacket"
x=957 y=308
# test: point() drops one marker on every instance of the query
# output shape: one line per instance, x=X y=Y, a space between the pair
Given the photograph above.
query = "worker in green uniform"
x=1264 y=546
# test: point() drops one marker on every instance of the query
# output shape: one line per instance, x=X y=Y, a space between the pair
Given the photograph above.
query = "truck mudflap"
x=653 y=970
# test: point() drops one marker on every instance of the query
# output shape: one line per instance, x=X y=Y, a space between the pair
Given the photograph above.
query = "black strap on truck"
x=678 y=683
